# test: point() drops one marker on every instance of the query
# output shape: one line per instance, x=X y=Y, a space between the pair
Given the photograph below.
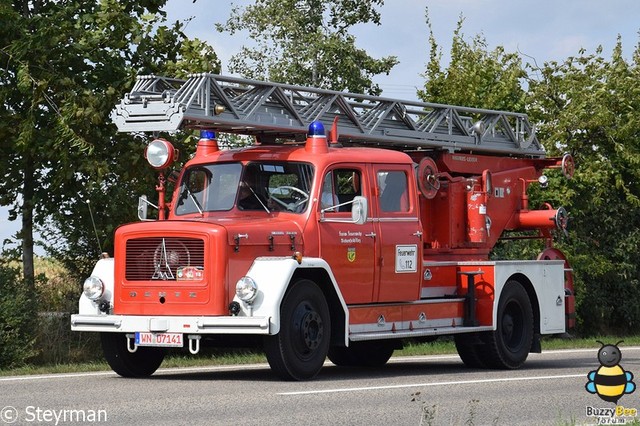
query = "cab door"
x=350 y=249
x=398 y=233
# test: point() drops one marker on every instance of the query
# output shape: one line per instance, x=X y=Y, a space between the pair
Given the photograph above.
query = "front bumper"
x=171 y=324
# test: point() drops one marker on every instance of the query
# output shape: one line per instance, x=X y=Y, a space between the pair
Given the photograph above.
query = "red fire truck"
x=341 y=244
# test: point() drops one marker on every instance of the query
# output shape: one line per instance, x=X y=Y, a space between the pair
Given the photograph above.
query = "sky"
x=543 y=30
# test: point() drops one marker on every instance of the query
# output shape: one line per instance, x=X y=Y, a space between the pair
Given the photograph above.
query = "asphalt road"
x=438 y=390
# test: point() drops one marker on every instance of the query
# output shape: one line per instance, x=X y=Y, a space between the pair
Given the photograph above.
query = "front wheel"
x=509 y=346
x=141 y=363
x=298 y=351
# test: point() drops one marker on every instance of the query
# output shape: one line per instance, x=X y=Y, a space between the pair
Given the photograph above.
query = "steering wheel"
x=302 y=197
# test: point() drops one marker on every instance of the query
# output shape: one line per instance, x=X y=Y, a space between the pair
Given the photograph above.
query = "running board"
x=440 y=331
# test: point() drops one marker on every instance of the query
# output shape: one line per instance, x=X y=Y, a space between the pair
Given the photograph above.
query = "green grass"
x=218 y=357
x=175 y=360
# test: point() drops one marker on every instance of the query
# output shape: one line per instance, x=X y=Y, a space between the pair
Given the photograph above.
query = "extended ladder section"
x=273 y=110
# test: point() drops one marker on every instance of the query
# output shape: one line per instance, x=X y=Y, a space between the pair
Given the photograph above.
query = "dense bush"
x=35 y=324
x=57 y=344
x=18 y=319
x=58 y=291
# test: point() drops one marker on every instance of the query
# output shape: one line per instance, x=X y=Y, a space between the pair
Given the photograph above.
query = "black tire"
x=141 y=363
x=373 y=353
x=362 y=354
x=341 y=356
x=470 y=353
x=508 y=347
x=298 y=351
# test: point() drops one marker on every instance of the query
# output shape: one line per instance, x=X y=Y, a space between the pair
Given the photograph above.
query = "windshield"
x=266 y=186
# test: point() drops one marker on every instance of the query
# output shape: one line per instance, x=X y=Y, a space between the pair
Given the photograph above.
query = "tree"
x=307 y=42
x=590 y=107
x=64 y=65
x=475 y=76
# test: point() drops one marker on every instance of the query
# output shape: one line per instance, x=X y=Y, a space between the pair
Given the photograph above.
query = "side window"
x=328 y=196
x=339 y=188
x=393 y=191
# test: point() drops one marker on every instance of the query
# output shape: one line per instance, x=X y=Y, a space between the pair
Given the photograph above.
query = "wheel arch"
x=282 y=273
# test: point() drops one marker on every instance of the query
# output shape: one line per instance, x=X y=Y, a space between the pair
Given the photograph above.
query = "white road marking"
x=452 y=383
x=259 y=366
x=55 y=376
x=549 y=352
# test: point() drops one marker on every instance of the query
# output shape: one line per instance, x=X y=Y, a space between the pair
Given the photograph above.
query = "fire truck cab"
x=328 y=246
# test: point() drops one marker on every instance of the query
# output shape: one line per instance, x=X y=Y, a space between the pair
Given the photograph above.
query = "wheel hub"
x=311 y=330
x=507 y=328
x=512 y=333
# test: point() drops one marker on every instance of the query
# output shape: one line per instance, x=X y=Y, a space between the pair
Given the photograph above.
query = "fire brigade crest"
x=351 y=254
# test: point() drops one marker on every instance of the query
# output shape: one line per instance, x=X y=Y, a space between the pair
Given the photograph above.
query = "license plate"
x=159 y=339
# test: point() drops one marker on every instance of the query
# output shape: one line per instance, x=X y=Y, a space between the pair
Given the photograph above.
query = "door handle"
x=418 y=234
x=371 y=234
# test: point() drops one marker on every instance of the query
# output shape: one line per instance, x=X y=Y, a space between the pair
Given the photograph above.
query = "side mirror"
x=359 y=210
x=142 y=207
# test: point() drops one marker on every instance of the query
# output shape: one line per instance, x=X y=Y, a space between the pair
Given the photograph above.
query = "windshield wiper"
x=259 y=200
x=195 y=200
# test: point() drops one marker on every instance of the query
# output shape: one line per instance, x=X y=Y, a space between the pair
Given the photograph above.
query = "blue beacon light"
x=207 y=134
x=316 y=129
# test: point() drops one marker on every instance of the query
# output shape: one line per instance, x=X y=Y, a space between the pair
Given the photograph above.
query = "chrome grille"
x=159 y=258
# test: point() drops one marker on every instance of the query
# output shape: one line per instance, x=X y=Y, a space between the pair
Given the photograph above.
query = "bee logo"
x=610 y=381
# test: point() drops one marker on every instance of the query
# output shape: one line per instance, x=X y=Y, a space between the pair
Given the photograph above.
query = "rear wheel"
x=508 y=347
x=469 y=349
x=141 y=363
x=298 y=351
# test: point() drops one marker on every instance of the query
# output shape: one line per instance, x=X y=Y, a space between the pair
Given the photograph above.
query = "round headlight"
x=246 y=289
x=93 y=288
x=160 y=154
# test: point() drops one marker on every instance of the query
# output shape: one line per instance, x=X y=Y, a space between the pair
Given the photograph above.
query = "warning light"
x=316 y=129
x=207 y=134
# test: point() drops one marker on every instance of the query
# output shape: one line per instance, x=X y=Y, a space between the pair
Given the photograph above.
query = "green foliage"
x=64 y=65
x=18 y=319
x=34 y=325
x=307 y=43
x=475 y=76
x=589 y=106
